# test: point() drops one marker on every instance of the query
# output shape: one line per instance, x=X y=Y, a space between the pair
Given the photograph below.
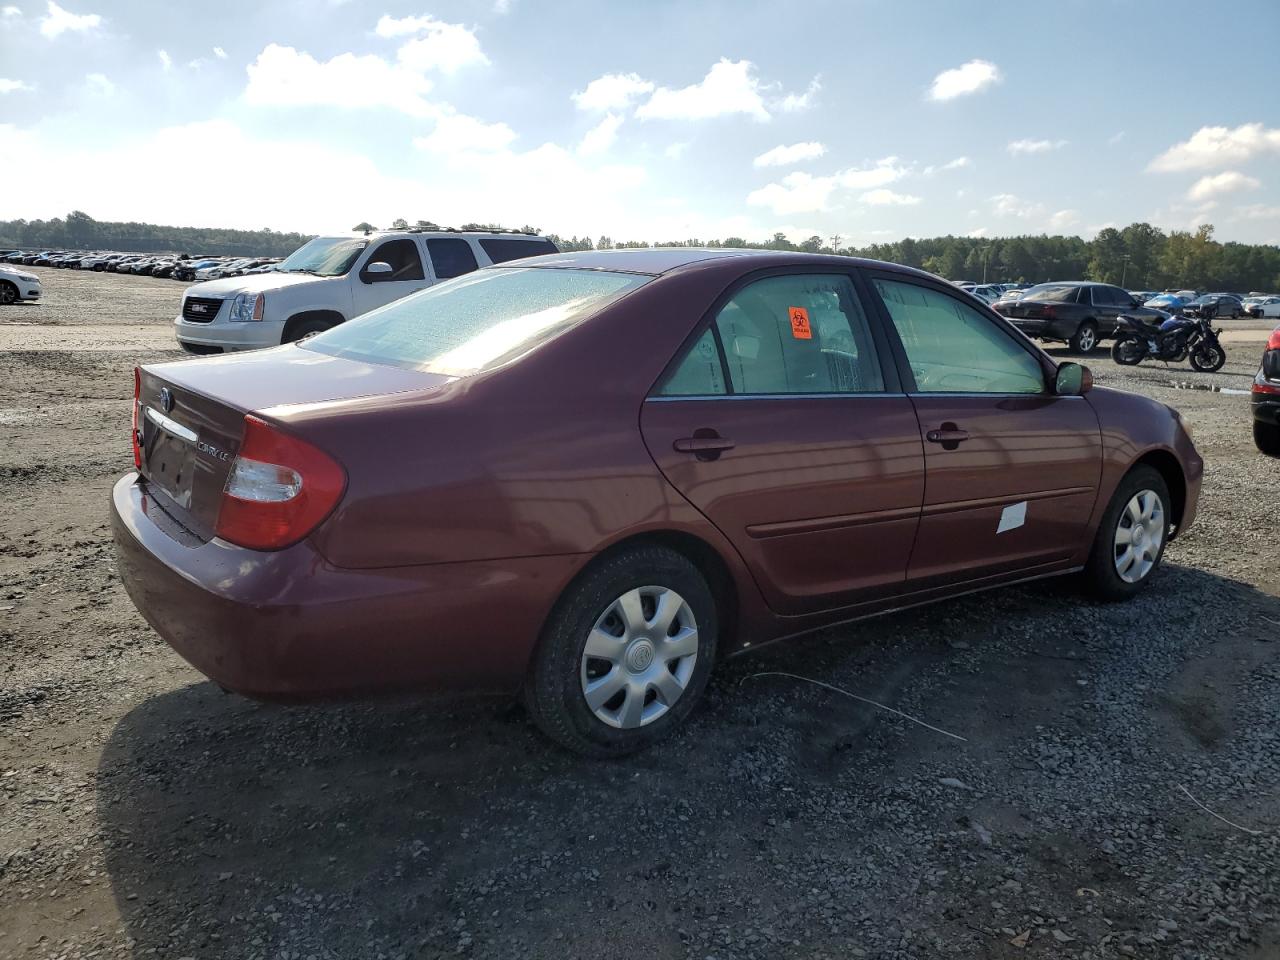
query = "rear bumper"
x=290 y=626
x=1046 y=329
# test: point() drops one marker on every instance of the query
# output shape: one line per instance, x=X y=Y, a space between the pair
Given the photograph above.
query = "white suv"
x=332 y=279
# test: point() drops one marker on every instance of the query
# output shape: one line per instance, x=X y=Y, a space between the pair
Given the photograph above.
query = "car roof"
x=656 y=261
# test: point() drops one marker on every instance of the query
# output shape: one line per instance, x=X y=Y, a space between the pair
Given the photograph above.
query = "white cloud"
x=798 y=102
x=220 y=53
x=956 y=164
x=14 y=86
x=1063 y=219
x=1034 y=146
x=10 y=12
x=502 y=7
x=460 y=134
x=887 y=198
x=1009 y=205
x=58 y=21
x=166 y=61
x=1258 y=211
x=978 y=232
x=1211 y=147
x=675 y=151
x=447 y=47
x=1215 y=184
x=613 y=91
x=782 y=155
x=285 y=77
x=601 y=137
x=960 y=81
x=729 y=87
x=97 y=85
x=1116 y=138
x=800 y=192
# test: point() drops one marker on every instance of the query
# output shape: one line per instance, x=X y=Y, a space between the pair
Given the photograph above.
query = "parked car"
x=1216 y=305
x=331 y=279
x=1078 y=313
x=1168 y=302
x=1265 y=399
x=1263 y=307
x=590 y=476
x=17 y=285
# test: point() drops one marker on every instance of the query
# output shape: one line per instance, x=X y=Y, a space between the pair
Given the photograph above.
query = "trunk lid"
x=191 y=415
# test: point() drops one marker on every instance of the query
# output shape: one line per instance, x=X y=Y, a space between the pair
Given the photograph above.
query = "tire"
x=1128 y=351
x=1208 y=358
x=8 y=293
x=1085 y=339
x=308 y=328
x=1266 y=437
x=633 y=675
x=1102 y=573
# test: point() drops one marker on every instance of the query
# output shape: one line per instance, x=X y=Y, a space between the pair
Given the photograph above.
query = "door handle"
x=949 y=435
x=705 y=445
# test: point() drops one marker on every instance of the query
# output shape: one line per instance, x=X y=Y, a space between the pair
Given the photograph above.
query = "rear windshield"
x=476 y=321
x=1052 y=292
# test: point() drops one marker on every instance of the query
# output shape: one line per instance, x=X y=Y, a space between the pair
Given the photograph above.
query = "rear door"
x=1011 y=470
x=784 y=423
x=372 y=290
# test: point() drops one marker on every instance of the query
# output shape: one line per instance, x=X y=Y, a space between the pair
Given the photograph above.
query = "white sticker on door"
x=1012 y=517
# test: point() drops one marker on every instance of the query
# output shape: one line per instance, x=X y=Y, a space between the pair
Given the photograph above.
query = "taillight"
x=1273 y=343
x=137 y=393
x=280 y=488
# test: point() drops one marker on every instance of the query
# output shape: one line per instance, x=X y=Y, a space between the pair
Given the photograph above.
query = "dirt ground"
x=143 y=813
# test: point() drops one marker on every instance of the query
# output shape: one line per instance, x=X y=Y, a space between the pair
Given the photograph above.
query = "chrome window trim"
x=773 y=396
x=171 y=426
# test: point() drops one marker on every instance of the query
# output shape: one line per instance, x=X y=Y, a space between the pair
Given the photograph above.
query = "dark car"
x=1265 y=399
x=1215 y=306
x=1078 y=314
x=590 y=476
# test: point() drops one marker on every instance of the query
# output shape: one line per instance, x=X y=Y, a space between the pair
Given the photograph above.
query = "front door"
x=1011 y=470
x=378 y=288
x=781 y=424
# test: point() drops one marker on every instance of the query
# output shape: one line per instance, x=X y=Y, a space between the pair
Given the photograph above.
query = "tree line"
x=1139 y=256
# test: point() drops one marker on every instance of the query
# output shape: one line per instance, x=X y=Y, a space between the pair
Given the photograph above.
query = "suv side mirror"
x=378 y=270
x=1073 y=380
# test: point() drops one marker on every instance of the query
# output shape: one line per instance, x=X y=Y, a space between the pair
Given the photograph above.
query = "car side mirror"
x=1073 y=380
x=376 y=271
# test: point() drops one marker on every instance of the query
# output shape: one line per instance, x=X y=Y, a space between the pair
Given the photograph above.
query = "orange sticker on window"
x=800 y=323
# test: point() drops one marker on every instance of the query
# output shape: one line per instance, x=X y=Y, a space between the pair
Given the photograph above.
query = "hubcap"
x=1087 y=339
x=639 y=657
x=7 y=295
x=1139 y=535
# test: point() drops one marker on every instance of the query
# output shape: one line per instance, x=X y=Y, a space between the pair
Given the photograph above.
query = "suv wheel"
x=1266 y=437
x=626 y=655
x=1086 y=338
x=1131 y=537
x=308 y=328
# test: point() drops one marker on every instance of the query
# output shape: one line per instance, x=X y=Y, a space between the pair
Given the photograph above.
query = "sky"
x=863 y=120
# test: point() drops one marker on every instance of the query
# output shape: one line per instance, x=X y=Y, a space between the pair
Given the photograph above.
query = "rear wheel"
x=626 y=655
x=1128 y=351
x=1266 y=437
x=1086 y=338
x=8 y=293
x=1131 y=537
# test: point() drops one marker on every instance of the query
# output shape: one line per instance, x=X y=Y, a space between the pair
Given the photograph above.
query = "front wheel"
x=1086 y=338
x=1131 y=537
x=626 y=654
x=1128 y=351
x=8 y=293
x=1208 y=357
x=1266 y=437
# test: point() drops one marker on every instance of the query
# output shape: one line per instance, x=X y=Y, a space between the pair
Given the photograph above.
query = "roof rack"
x=522 y=233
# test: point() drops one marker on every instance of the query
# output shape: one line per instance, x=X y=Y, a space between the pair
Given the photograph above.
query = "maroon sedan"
x=591 y=476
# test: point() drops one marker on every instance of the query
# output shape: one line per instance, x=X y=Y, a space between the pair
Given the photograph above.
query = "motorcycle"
x=1175 y=340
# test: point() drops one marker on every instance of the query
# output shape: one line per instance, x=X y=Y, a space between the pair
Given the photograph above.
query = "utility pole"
x=1124 y=271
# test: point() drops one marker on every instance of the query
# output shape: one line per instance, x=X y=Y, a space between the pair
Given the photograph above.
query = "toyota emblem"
x=166 y=399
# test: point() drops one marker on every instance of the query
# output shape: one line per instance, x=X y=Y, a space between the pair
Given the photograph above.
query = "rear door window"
x=501 y=249
x=451 y=257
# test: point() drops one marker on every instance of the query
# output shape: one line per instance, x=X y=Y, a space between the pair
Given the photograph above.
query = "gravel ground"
x=144 y=813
